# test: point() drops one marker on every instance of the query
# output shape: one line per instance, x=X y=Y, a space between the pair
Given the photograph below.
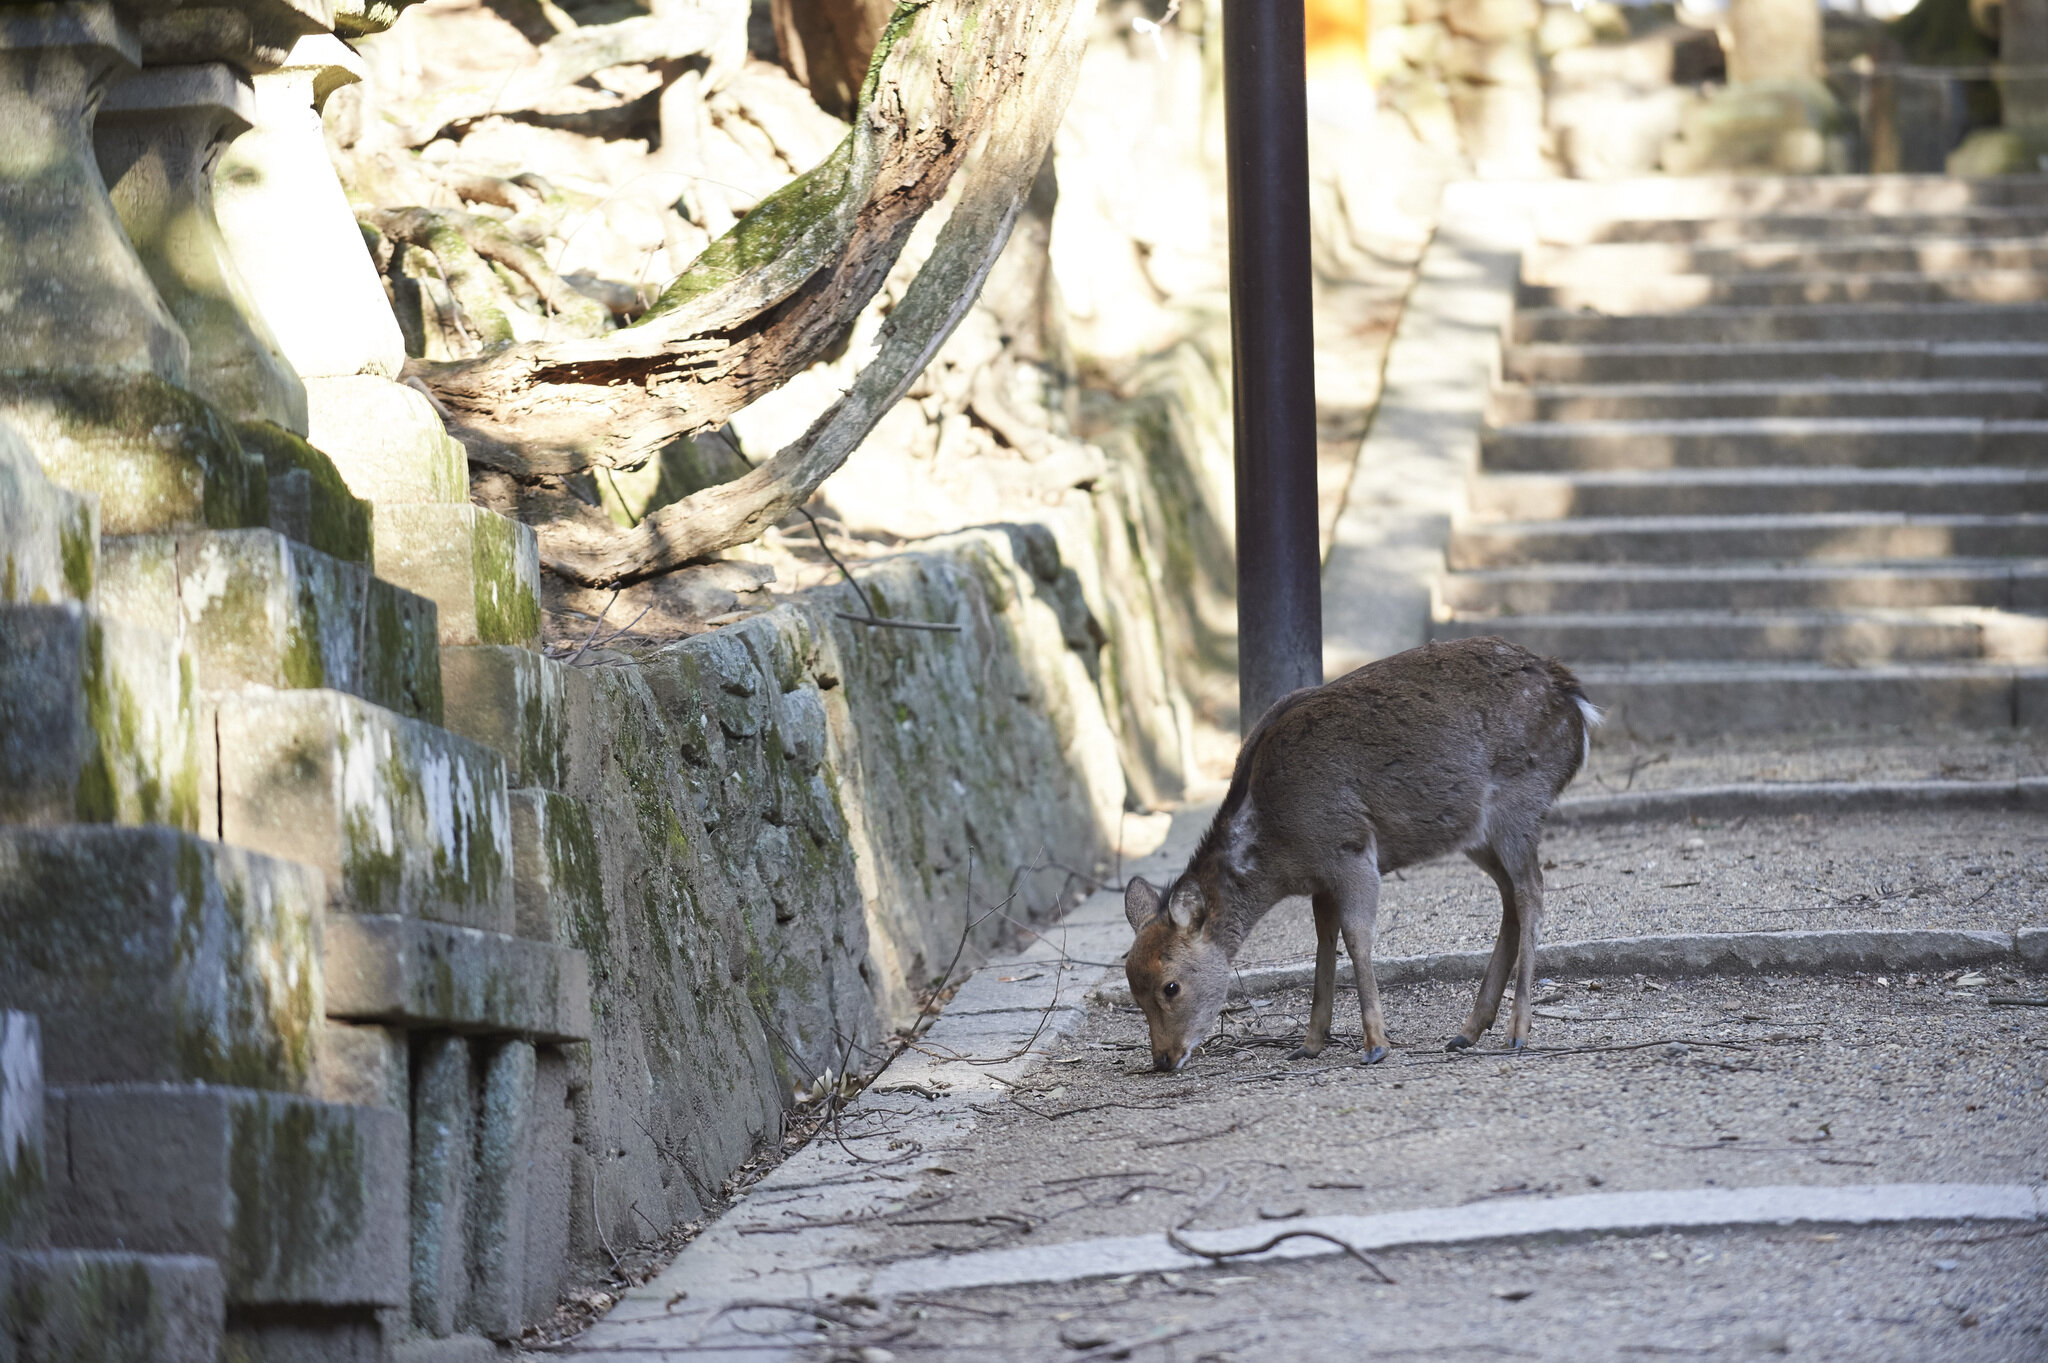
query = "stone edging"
x=1685 y=954
x=1780 y=798
x=1636 y=1213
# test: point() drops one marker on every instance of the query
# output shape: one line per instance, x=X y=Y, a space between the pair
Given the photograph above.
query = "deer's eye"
x=1171 y=990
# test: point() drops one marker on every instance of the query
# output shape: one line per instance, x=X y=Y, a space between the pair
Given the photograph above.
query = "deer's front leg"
x=1326 y=981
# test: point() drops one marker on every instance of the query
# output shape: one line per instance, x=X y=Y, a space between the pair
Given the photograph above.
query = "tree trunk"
x=827 y=45
x=2023 y=44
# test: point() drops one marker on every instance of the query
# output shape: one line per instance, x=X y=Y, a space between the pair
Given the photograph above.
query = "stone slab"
x=1783 y=798
x=482 y=569
x=98 y=721
x=294 y=1198
x=1767 y=491
x=309 y=499
x=404 y=972
x=2032 y=944
x=386 y=439
x=109 y=1306
x=403 y=817
x=1683 y=362
x=515 y=701
x=257 y=608
x=1857 y=535
x=154 y=955
x=365 y=1064
x=1838 y=637
x=24 y=1209
x=156 y=456
x=1574 y=587
x=1721 y=698
x=49 y=536
x=1725 y=325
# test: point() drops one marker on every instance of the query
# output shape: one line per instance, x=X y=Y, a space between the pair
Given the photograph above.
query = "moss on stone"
x=506 y=611
x=338 y=523
x=296 y=1171
x=77 y=547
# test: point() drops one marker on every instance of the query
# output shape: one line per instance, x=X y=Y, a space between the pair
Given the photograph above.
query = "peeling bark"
x=773 y=295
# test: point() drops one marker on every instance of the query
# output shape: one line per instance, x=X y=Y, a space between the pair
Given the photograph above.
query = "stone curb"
x=1586 y=1214
x=1800 y=797
x=1684 y=954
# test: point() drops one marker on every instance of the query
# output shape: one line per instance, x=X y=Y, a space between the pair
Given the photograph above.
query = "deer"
x=1457 y=746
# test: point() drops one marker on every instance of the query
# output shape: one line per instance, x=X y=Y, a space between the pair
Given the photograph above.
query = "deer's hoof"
x=1374 y=1055
x=1305 y=1053
x=1457 y=1043
x=1518 y=1043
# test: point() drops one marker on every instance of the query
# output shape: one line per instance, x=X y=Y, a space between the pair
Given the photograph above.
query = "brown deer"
x=1452 y=747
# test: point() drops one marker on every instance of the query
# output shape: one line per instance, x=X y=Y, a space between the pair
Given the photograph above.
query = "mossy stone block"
x=515 y=701
x=157 y=456
x=97 y=721
x=480 y=568
x=297 y=1200
x=111 y=1306
x=309 y=499
x=402 y=817
x=154 y=955
x=558 y=879
x=49 y=536
x=406 y=973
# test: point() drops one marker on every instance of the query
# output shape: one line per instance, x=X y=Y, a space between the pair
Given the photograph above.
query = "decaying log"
x=455 y=238
x=777 y=292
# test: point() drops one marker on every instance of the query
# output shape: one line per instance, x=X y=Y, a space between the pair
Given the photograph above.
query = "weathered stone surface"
x=480 y=568
x=309 y=499
x=364 y=1064
x=24 y=1213
x=258 y=609
x=386 y=439
x=49 y=536
x=78 y=299
x=153 y=955
x=556 y=877
x=158 y=457
x=443 y=1170
x=157 y=136
x=497 y=1221
x=2033 y=947
x=558 y=1176
x=401 y=971
x=97 y=721
x=403 y=817
x=109 y=1307
x=516 y=702
x=293 y=1198
x=292 y=233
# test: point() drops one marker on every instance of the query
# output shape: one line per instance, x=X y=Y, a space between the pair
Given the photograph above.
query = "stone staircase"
x=1767 y=455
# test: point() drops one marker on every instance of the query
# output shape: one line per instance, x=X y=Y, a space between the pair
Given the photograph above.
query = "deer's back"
x=1423 y=753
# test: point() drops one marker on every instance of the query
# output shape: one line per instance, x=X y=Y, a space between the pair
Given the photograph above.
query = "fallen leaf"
x=1514 y=1293
x=1971 y=981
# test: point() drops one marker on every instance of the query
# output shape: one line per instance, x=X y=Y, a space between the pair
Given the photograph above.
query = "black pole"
x=1279 y=562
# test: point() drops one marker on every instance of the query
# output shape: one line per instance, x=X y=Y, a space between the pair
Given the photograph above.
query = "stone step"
x=153 y=955
x=49 y=535
x=1700 y=699
x=110 y=1306
x=1578 y=587
x=1664 y=293
x=480 y=568
x=518 y=702
x=1825 y=322
x=1835 y=637
x=1574 y=206
x=1791 y=491
x=295 y=1199
x=402 y=817
x=257 y=608
x=309 y=499
x=1860 y=535
x=1777 y=362
x=1989 y=399
x=1872 y=255
x=98 y=721
x=158 y=457
x=1751 y=442
x=406 y=973
x=1975 y=220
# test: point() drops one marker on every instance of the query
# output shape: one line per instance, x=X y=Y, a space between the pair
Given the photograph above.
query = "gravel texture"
x=1722 y=1082
x=1620 y=761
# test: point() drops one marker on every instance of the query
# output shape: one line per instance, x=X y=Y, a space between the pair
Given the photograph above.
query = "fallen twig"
x=1217 y=1256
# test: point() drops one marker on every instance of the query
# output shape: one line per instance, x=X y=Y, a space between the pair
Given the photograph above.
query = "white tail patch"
x=1594 y=717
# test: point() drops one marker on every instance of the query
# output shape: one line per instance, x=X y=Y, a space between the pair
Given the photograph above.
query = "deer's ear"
x=1184 y=909
x=1141 y=903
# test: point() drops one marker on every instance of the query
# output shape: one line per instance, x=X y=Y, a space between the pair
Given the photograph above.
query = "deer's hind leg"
x=1491 y=985
x=1359 y=897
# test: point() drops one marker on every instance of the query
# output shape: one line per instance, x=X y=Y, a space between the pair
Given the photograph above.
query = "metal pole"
x=1279 y=561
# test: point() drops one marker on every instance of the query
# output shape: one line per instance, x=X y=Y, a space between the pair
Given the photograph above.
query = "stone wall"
x=371 y=973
